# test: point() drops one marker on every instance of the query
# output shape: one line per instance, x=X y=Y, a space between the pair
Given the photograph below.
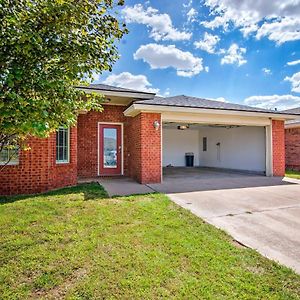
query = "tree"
x=47 y=48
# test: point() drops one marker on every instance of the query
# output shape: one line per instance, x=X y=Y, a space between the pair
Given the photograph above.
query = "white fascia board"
x=118 y=94
x=136 y=108
x=215 y=119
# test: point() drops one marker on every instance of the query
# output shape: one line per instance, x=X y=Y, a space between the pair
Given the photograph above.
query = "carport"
x=233 y=147
x=219 y=139
x=221 y=135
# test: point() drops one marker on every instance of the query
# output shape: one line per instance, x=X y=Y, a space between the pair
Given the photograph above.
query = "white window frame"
x=68 y=145
x=13 y=161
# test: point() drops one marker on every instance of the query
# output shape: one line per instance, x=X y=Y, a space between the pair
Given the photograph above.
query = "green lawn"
x=78 y=244
x=292 y=174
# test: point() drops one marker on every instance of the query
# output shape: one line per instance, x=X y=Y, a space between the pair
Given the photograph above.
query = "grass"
x=78 y=244
x=292 y=174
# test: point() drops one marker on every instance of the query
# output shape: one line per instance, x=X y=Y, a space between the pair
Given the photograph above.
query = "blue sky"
x=239 y=51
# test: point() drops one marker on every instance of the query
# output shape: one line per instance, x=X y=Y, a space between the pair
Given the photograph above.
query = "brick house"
x=292 y=141
x=138 y=134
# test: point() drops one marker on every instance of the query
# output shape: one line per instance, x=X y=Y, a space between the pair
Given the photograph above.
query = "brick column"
x=145 y=148
x=278 y=145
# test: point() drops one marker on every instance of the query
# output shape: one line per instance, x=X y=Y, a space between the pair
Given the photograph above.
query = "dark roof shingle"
x=194 y=102
x=293 y=111
x=106 y=87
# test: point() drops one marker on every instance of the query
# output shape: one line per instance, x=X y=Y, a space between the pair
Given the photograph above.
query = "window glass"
x=110 y=147
x=62 y=145
x=9 y=156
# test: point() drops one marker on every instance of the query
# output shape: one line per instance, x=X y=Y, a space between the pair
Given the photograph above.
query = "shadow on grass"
x=292 y=173
x=136 y=195
x=90 y=191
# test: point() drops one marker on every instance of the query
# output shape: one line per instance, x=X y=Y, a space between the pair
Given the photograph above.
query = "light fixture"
x=156 y=125
x=183 y=127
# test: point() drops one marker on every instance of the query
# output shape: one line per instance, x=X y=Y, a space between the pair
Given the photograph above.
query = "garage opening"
x=241 y=148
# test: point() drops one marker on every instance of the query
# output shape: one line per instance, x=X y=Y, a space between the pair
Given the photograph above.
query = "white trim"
x=122 y=145
x=62 y=162
x=136 y=108
x=208 y=119
x=124 y=94
x=11 y=163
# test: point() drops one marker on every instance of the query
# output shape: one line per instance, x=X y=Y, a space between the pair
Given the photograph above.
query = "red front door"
x=110 y=152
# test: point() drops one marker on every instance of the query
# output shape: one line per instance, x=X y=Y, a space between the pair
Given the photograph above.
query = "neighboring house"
x=292 y=141
x=138 y=134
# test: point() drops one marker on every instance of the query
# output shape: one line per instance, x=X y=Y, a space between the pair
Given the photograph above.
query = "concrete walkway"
x=124 y=187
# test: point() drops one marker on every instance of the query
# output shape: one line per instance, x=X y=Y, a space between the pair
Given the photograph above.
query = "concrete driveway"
x=260 y=212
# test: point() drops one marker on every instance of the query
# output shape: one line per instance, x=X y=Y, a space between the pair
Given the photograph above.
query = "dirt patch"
x=60 y=291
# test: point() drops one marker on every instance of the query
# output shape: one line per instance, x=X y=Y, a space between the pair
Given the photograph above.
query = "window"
x=9 y=156
x=205 y=144
x=62 y=145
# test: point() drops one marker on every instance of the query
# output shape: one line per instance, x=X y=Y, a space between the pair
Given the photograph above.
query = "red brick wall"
x=37 y=170
x=278 y=148
x=292 y=148
x=134 y=148
x=142 y=143
x=150 y=149
x=63 y=174
x=88 y=138
x=145 y=148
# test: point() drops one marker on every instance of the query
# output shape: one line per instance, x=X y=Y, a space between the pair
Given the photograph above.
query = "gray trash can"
x=189 y=159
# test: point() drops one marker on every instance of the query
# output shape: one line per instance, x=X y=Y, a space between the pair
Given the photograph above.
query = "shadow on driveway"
x=183 y=180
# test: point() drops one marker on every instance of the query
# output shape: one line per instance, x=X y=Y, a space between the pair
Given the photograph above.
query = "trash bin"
x=189 y=159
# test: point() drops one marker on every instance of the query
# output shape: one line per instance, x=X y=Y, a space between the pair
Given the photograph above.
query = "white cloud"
x=278 y=20
x=130 y=81
x=280 y=102
x=220 y=99
x=280 y=31
x=191 y=15
x=218 y=21
x=208 y=43
x=295 y=81
x=162 y=57
x=234 y=55
x=167 y=92
x=294 y=62
x=160 y=24
x=266 y=71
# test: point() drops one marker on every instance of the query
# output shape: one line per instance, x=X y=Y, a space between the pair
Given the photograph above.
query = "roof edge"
x=112 y=90
x=136 y=108
x=125 y=94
